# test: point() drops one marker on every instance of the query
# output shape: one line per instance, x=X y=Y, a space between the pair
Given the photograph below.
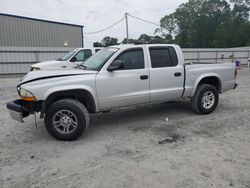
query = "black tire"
x=196 y=101
x=76 y=112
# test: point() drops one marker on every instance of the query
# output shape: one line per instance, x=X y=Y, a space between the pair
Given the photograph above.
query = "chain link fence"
x=17 y=60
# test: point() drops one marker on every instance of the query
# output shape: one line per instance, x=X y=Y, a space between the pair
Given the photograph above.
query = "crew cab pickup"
x=69 y=60
x=119 y=76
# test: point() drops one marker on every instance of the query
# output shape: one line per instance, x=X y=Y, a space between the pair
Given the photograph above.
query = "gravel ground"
x=121 y=148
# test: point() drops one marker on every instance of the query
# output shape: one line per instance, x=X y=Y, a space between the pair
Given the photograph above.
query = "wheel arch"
x=83 y=95
x=212 y=79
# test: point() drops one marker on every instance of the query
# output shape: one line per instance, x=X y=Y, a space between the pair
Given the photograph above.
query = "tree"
x=130 y=41
x=232 y=34
x=235 y=30
x=109 y=41
x=241 y=8
x=168 y=25
x=146 y=39
x=208 y=23
x=97 y=44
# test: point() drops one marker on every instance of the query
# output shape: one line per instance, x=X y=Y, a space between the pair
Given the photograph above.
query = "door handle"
x=177 y=74
x=144 y=77
x=64 y=66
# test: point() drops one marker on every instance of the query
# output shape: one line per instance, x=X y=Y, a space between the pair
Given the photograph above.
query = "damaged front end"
x=23 y=107
x=19 y=109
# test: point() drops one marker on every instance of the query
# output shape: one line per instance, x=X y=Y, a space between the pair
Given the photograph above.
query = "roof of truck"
x=124 y=46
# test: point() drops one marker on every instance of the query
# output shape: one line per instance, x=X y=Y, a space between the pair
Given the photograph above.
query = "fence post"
x=37 y=58
x=216 y=59
x=233 y=60
x=198 y=56
x=248 y=58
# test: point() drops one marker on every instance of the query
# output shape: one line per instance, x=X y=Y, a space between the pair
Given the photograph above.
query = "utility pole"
x=126 y=17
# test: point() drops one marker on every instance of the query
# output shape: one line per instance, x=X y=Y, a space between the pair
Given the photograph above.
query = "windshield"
x=67 y=56
x=96 y=61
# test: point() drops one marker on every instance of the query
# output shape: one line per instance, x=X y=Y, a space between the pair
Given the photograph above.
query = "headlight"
x=35 y=68
x=26 y=95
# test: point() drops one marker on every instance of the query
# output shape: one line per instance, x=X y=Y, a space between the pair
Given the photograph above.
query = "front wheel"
x=66 y=119
x=205 y=99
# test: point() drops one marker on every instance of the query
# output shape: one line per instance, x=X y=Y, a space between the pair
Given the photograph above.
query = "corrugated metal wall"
x=26 y=32
x=17 y=60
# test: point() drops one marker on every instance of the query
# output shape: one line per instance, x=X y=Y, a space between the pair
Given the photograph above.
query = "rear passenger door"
x=166 y=75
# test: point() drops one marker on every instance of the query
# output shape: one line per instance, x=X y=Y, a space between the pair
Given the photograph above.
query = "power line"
x=125 y=16
x=144 y=20
x=88 y=33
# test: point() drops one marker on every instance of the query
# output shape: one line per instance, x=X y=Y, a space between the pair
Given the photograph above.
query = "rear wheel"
x=66 y=119
x=205 y=99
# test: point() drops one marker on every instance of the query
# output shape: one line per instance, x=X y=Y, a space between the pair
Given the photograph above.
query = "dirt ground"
x=121 y=148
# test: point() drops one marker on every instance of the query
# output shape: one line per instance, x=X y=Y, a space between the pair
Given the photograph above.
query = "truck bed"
x=194 y=72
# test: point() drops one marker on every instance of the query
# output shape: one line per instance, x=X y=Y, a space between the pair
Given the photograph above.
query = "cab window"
x=163 y=57
x=83 y=55
x=132 y=59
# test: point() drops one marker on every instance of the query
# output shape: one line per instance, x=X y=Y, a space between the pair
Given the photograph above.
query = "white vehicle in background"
x=69 y=60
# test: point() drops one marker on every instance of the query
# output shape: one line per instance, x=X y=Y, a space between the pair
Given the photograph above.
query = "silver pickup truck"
x=119 y=76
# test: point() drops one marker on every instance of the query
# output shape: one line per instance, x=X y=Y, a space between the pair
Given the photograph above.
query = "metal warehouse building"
x=24 y=41
x=29 y=32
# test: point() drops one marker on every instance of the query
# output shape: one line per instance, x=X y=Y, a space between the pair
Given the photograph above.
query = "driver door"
x=126 y=86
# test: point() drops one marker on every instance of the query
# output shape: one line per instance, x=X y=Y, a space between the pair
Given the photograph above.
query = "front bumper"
x=17 y=110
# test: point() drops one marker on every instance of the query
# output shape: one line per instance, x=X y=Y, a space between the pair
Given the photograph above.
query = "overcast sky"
x=95 y=14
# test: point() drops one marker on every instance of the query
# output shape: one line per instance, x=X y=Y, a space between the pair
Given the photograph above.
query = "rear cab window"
x=163 y=57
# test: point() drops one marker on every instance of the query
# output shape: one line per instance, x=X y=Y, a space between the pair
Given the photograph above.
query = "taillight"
x=235 y=73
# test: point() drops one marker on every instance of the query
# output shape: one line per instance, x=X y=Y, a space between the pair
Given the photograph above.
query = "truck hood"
x=45 y=63
x=39 y=75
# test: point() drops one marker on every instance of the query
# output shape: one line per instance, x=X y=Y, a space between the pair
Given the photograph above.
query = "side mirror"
x=115 y=65
x=73 y=59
